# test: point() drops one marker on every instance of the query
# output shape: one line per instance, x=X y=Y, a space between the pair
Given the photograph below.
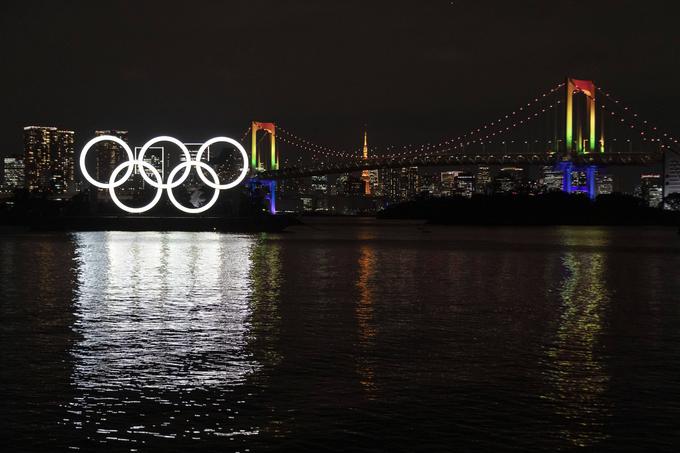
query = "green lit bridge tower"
x=575 y=141
x=258 y=164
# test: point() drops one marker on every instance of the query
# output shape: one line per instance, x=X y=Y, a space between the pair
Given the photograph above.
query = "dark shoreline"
x=542 y=210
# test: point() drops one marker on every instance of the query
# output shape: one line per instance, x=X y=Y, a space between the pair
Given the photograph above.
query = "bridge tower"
x=577 y=144
x=587 y=88
x=257 y=163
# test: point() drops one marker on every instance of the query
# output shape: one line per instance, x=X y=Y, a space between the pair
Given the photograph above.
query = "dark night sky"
x=412 y=70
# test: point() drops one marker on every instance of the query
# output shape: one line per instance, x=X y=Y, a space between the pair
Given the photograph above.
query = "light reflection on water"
x=346 y=337
x=367 y=266
x=159 y=314
x=577 y=373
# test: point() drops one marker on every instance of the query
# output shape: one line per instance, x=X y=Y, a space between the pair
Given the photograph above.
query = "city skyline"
x=627 y=180
x=55 y=147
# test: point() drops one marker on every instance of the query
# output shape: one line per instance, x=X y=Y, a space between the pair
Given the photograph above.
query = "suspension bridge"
x=573 y=126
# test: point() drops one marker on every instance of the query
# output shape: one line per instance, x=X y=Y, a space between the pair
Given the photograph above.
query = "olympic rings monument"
x=174 y=178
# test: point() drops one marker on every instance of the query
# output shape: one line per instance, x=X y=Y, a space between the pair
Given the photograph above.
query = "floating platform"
x=269 y=223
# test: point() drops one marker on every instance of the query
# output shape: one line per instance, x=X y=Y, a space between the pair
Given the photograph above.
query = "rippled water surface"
x=342 y=336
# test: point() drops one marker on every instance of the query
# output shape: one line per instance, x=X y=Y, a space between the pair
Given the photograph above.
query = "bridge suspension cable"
x=632 y=119
x=484 y=133
x=307 y=145
x=245 y=135
x=517 y=128
x=481 y=135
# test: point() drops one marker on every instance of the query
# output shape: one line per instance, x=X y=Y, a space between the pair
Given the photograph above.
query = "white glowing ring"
x=173 y=140
x=94 y=141
x=198 y=164
x=113 y=185
x=158 y=183
x=244 y=169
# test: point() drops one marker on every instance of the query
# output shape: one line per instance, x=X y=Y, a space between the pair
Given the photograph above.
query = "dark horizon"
x=410 y=72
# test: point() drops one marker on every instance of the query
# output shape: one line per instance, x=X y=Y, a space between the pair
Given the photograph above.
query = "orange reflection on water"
x=364 y=315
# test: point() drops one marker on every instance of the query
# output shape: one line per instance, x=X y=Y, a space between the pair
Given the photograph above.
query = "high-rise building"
x=62 y=168
x=37 y=146
x=399 y=183
x=154 y=156
x=374 y=182
x=551 y=179
x=430 y=183
x=579 y=181
x=410 y=182
x=389 y=183
x=448 y=182
x=193 y=151
x=671 y=183
x=651 y=190
x=482 y=180
x=348 y=184
x=465 y=184
x=509 y=179
x=109 y=154
x=292 y=187
x=320 y=184
x=13 y=173
x=604 y=184
x=49 y=159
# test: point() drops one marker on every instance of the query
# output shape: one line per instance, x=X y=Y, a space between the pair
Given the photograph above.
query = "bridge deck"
x=615 y=159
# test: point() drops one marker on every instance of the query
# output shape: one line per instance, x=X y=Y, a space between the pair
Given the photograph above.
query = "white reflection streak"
x=162 y=310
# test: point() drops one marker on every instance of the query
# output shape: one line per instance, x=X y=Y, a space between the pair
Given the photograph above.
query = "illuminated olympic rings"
x=157 y=180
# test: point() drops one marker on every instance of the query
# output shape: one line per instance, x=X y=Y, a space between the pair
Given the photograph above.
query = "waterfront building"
x=482 y=180
x=155 y=156
x=389 y=183
x=671 y=182
x=399 y=184
x=13 y=173
x=373 y=182
x=651 y=189
x=62 y=161
x=551 y=179
x=464 y=184
x=193 y=151
x=109 y=154
x=430 y=184
x=348 y=184
x=508 y=180
x=49 y=159
x=604 y=184
x=320 y=184
x=448 y=182
x=37 y=150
